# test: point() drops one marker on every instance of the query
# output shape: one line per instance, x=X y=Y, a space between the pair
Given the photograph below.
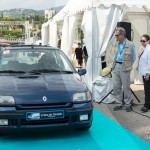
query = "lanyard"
x=120 y=50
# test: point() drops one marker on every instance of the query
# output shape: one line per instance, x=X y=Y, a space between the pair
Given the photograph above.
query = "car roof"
x=30 y=47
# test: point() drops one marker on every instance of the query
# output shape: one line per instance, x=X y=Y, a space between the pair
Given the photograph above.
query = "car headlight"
x=79 y=97
x=7 y=101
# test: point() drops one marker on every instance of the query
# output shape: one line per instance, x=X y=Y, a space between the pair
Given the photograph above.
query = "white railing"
x=32 y=40
x=12 y=40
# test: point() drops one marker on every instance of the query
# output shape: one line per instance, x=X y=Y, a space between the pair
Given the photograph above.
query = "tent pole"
x=93 y=49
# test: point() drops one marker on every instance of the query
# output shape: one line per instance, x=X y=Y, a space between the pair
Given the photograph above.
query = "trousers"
x=121 y=82
x=147 y=92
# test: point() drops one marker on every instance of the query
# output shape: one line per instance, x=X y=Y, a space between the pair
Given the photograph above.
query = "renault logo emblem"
x=44 y=98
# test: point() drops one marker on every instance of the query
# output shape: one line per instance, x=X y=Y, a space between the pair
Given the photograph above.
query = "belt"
x=118 y=62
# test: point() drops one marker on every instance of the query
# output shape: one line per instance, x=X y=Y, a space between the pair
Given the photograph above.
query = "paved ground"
x=134 y=121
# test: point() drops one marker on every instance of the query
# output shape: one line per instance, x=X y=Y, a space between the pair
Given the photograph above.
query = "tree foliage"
x=18 y=31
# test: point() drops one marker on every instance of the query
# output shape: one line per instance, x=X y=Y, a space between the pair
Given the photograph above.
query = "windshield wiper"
x=44 y=71
x=49 y=71
x=11 y=71
x=66 y=71
x=34 y=72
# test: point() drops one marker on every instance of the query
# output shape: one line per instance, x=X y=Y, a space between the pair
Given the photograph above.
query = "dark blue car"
x=40 y=88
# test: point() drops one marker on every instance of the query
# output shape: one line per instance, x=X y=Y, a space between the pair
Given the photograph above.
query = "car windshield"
x=34 y=60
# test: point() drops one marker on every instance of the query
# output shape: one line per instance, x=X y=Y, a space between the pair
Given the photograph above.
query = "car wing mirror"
x=81 y=71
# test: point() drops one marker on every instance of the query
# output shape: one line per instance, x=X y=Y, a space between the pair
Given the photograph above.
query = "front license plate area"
x=44 y=115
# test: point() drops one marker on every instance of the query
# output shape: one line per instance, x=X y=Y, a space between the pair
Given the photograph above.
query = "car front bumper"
x=17 y=118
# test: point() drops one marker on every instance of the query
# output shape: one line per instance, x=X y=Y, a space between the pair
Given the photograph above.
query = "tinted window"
x=34 y=59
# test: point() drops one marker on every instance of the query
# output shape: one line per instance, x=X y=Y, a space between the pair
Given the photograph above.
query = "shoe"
x=128 y=108
x=144 y=109
x=116 y=108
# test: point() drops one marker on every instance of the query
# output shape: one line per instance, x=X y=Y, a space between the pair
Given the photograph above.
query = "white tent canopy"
x=45 y=33
x=74 y=6
x=99 y=21
x=99 y=34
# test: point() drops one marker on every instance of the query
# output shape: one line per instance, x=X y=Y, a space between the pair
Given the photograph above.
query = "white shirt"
x=144 y=61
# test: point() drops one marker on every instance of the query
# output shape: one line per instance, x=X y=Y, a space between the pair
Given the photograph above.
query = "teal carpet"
x=103 y=135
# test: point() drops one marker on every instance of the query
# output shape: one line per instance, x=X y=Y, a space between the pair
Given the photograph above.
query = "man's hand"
x=147 y=76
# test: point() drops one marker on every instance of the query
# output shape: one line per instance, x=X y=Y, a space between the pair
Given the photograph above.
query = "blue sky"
x=33 y=4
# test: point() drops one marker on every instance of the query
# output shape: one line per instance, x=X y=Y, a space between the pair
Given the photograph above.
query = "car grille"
x=24 y=122
x=44 y=122
x=43 y=106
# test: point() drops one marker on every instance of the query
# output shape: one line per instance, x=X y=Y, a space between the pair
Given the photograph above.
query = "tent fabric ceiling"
x=128 y=3
x=76 y=6
x=71 y=8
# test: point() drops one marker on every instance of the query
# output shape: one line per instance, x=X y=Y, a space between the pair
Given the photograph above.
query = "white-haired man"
x=122 y=66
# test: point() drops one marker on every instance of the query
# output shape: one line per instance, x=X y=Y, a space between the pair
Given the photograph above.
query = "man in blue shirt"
x=122 y=66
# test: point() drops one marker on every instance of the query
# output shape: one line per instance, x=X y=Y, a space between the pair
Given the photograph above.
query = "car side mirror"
x=81 y=71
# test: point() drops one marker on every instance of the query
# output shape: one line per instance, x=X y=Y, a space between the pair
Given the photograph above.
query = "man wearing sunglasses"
x=122 y=66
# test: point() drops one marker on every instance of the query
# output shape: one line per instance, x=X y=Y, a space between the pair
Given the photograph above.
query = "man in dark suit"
x=78 y=53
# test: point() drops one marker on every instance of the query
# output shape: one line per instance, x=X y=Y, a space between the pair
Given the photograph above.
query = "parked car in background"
x=40 y=88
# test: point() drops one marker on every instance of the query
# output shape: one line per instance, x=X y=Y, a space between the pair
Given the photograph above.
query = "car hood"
x=33 y=89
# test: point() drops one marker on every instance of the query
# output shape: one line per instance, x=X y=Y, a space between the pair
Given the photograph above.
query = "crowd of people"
x=122 y=66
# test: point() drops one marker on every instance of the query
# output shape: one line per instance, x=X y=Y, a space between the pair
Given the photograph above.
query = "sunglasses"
x=142 y=41
x=117 y=35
